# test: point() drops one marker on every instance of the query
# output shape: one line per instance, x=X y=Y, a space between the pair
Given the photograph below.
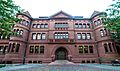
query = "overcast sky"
x=73 y=7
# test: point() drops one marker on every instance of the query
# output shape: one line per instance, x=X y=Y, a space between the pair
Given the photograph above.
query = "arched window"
x=76 y=25
x=101 y=33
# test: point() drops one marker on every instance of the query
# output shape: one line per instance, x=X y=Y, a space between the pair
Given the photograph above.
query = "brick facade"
x=74 y=38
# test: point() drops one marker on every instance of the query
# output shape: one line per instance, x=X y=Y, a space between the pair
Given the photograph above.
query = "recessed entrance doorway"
x=61 y=54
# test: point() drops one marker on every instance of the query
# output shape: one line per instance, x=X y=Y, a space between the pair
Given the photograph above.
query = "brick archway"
x=61 y=54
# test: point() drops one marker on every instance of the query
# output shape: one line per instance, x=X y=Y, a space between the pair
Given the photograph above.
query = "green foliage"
x=113 y=19
x=8 y=11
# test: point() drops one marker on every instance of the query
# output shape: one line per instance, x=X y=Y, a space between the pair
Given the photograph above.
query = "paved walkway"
x=45 y=67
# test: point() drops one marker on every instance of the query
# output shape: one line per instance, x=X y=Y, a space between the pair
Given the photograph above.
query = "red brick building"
x=58 y=37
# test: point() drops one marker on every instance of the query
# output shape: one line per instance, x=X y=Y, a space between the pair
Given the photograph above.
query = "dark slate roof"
x=95 y=13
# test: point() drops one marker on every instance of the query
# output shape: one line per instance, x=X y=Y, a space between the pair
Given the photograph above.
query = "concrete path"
x=45 y=67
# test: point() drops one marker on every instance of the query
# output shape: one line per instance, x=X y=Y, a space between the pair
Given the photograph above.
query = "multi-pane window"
x=36 y=49
x=31 y=49
x=105 y=47
x=91 y=49
x=83 y=36
x=80 y=49
x=1 y=49
x=46 y=25
x=42 y=49
x=80 y=25
x=84 y=25
x=101 y=33
x=88 y=36
x=61 y=35
x=43 y=36
x=61 y=25
x=110 y=47
x=9 y=47
x=34 y=25
x=13 y=47
x=34 y=36
x=39 y=36
x=17 y=48
x=79 y=36
x=85 y=49
x=40 y=25
x=88 y=25
x=98 y=22
x=76 y=25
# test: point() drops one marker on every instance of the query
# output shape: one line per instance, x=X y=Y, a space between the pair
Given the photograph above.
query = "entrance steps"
x=61 y=62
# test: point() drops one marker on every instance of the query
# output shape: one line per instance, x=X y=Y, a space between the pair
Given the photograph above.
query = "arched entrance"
x=61 y=54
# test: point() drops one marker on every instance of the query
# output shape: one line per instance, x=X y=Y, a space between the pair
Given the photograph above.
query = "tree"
x=8 y=11
x=113 y=19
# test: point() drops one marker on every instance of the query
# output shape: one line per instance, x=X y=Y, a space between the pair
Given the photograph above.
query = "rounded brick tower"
x=104 y=44
x=19 y=40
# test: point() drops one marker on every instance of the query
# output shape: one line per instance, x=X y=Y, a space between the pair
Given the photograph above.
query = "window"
x=27 y=22
x=31 y=49
x=42 y=25
x=5 y=49
x=113 y=45
x=105 y=47
x=38 y=25
x=46 y=25
x=105 y=32
x=88 y=36
x=88 y=25
x=91 y=49
x=1 y=49
x=95 y=22
x=61 y=25
x=21 y=32
x=61 y=35
x=76 y=25
x=101 y=32
x=17 y=48
x=84 y=25
x=80 y=25
x=109 y=44
x=78 y=35
x=36 y=49
x=13 y=47
x=34 y=36
x=98 y=22
x=38 y=36
x=42 y=49
x=34 y=25
x=83 y=36
x=9 y=47
x=80 y=49
x=43 y=36
x=85 y=49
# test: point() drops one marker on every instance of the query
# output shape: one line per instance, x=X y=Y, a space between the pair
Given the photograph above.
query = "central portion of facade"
x=59 y=37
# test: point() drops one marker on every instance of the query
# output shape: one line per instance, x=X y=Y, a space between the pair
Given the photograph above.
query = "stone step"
x=61 y=62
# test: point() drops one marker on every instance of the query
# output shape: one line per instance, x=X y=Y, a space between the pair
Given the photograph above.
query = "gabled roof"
x=65 y=15
x=95 y=13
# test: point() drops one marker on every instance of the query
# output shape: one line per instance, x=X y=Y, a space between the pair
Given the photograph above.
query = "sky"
x=83 y=8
